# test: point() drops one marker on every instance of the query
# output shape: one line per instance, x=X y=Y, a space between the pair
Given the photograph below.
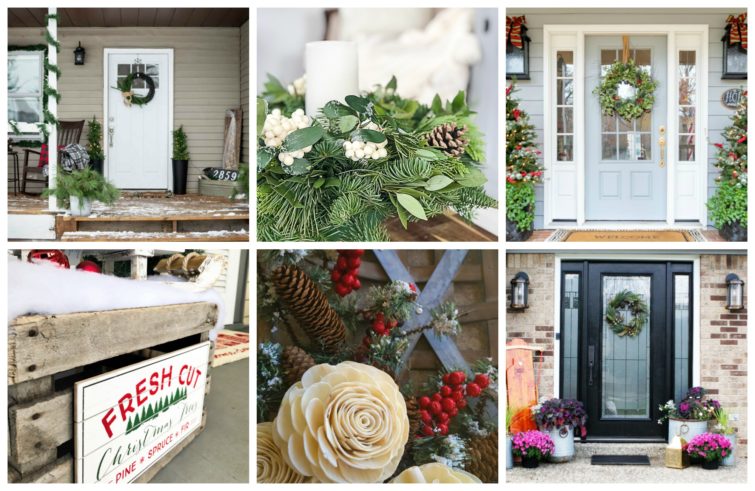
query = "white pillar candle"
x=332 y=73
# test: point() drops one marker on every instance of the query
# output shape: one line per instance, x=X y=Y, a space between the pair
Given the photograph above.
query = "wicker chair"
x=68 y=132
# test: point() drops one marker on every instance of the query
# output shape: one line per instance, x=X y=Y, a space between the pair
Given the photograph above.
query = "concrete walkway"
x=580 y=470
x=220 y=454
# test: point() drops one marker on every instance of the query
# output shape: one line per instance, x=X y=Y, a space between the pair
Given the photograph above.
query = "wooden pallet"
x=48 y=354
x=442 y=228
x=154 y=237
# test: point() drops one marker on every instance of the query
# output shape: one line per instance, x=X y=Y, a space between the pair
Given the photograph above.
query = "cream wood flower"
x=434 y=473
x=343 y=423
x=271 y=467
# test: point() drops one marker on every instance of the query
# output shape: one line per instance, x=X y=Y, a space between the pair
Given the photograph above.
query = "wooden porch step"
x=210 y=236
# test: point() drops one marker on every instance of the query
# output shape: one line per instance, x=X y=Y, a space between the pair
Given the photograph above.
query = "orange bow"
x=514 y=30
x=738 y=29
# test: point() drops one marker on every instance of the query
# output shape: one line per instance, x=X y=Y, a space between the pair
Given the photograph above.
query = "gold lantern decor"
x=676 y=457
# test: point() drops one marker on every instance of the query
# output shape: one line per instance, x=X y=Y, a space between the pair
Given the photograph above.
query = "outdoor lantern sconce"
x=734 y=292
x=517 y=49
x=78 y=55
x=519 y=291
x=735 y=48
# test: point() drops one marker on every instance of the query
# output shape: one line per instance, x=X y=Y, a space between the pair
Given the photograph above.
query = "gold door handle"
x=662 y=143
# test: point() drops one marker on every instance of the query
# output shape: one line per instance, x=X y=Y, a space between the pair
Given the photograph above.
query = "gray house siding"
x=530 y=92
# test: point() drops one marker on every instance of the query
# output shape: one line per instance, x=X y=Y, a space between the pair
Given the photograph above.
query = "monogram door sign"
x=128 y=419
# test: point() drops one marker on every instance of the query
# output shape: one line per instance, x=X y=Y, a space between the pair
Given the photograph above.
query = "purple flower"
x=532 y=444
x=710 y=447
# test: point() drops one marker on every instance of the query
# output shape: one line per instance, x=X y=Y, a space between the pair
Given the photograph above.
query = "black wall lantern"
x=519 y=291
x=735 y=48
x=517 y=49
x=734 y=292
x=78 y=55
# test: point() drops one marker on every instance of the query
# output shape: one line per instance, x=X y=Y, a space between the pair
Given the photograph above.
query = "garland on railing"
x=47 y=91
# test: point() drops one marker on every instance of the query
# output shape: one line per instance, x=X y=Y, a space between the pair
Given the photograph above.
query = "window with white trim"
x=687 y=105
x=25 y=86
x=565 y=106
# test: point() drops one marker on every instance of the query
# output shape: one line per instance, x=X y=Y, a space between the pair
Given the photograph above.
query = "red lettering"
x=181 y=378
x=166 y=376
x=107 y=420
x=154 y=383
x=140 y=390
x=196 y=379
x=126 y=409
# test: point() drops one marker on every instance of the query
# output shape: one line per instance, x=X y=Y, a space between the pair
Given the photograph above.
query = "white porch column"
x=52 y=106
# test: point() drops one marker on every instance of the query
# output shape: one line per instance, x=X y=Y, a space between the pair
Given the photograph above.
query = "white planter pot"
x=509 y=454
x=731 y=459
x=80 y=208
x=686 y=428
x=563 y=441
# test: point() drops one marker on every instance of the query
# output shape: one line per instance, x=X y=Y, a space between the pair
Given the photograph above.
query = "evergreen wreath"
x=639 y=308
x=129 y=97
x=632 y=107
x=339 y=176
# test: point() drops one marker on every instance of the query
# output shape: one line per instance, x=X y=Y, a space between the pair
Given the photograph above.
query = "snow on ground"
x=46 y=290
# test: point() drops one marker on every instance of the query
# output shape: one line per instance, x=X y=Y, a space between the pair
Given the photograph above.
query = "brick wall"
x=723 y=339
x=535 y=324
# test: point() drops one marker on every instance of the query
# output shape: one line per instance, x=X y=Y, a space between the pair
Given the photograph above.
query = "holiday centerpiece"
x=728 y=206
x=523 y=171
x=355 y=160
x=708 y=449
x=533 y=447
x=559 y=418
x=690 y=416
x=623 y=303
x=334 y=373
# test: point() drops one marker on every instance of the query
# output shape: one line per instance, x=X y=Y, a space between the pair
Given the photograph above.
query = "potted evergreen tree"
x=523 y=171
x=180 y=161
x=728 y=206
x=94 y=147
x=79 y=188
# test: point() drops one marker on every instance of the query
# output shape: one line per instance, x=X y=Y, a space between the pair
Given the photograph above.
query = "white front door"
x=138 y=137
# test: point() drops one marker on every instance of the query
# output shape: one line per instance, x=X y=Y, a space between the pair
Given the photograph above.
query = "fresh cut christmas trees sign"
x=128 y=419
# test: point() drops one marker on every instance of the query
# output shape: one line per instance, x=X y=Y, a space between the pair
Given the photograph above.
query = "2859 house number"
x=129 y=419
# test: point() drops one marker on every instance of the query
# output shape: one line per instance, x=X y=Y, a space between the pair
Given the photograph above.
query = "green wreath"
x=629 y=108
x=129 y=97
x=639 y=308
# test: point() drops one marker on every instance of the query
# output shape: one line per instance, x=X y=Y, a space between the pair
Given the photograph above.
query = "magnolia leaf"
x=372 y=136
x=347 y=123
x=264 y=156
x=473 y=179
x=299 y=167
x=303 y=138
x=359 y=104
x=261 y=115
x=411 y=205
x=401 y=212
x=436 y=183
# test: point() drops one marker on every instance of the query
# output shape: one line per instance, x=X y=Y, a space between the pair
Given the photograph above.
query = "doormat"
x=627 y=236
x=620 y=460
x=230 y=346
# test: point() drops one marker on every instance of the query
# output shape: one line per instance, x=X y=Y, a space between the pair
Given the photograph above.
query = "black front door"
x=623 y=379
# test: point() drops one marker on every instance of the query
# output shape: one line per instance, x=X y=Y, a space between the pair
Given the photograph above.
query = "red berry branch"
x=344 y=274
x=438 y=410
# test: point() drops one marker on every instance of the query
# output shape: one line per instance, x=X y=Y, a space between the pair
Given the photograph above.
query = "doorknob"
x=110 y=131
x=590 y=363
x=662 y=143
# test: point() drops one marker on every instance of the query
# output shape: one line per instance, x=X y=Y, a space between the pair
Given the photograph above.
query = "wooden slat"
x=164 y=16
x=160 y=237
x=60 y=471
x=442 y=228
x=146 y=17
x=44 y=345
x=30 y=390
x=112 y=17
x=478 y=312
x=37 y=428
x=129 y=16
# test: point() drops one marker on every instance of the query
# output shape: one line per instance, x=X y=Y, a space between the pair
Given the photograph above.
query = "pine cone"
x=483 y=457
x=412 y=410
x=310 y=307
x=449 y=138
x=295 y=361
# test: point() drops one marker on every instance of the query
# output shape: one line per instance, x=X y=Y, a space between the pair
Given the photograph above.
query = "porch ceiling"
x=131 y=17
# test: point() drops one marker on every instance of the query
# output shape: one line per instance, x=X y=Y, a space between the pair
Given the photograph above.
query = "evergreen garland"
x=325 y=195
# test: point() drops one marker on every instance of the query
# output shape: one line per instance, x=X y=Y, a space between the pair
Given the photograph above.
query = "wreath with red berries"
x=632 y=107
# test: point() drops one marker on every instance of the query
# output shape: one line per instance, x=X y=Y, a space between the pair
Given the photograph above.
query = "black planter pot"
x=711 y=465
x=513 y=234
x=530 y=463
x=734 y=232
x=96 y=165
x=180 y=174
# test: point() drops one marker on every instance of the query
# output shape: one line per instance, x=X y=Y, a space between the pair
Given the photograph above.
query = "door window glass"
x=687 y=102
x=681 y=335
x=570 y=336
x=125 y=69
x=565 y=106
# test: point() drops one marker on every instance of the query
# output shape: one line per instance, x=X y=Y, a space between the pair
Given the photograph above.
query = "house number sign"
x=128 y=419
x=730 y=98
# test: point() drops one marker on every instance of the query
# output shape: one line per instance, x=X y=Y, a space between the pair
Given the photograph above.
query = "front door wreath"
x=626 y=90
x=627 y=300
x=125 y=86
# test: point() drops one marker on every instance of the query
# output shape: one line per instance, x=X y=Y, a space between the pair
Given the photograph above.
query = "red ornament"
x=443 y=417
x=457 y=396
x=427 y=431
x=448 y=404
x=335 y=276
x=457 y=378
x=482 y=380
x=356 y=284
x=443 y=429
x=435 y=407
x=461 y=404
x=473 y=390
x=437 y=397
x=425 y=416
x=445 y=391
x=424 y=402
x=54 y=256
x=89 y=266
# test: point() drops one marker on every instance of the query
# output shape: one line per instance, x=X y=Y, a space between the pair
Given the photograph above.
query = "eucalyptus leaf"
x=359 y=104
x=372 y=136
x=299 y=167
x=426 y=154
x=473 y=179
x=347 y=123
x=302 y=138
x=335 y=109
x=411 y=205
x=261 y=115
x=264 y=156
x=436 y=183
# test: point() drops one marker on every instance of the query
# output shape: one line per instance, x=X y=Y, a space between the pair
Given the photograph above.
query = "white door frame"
x=693 y=258
x=106 y=94
x=572 y=38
